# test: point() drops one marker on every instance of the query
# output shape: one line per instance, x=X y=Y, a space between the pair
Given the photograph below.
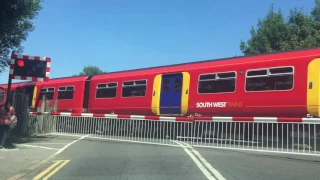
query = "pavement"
x=80 y=157
x=28 y=154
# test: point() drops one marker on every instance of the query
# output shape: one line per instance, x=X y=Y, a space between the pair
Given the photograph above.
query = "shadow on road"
x=13 y=139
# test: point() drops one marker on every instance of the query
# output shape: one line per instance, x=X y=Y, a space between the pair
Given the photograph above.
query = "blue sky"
x=128 y=34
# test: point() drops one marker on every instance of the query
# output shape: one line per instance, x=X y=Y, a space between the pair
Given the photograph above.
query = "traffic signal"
x=20 y=63
x=30 y=68
x=34 y=68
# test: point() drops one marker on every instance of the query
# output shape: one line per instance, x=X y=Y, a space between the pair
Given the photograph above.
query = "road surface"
x=102 y=159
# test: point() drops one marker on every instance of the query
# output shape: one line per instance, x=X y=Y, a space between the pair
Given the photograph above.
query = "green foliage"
x=90 y=70
x=15 y=24
x=274 y=33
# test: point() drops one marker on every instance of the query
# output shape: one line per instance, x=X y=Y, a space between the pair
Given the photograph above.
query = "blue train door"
x=171 y=92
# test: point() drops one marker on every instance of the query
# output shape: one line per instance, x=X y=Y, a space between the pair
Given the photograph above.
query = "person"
x=5 y=120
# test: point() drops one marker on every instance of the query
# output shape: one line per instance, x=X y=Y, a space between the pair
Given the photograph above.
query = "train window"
x=231 y=75
x=48 y=92
x=177 y=85
x=283 y=70
x=257 y=73
x=274 y=79
x=143 y=82
x=217 y=83
x=71 y=88
x=108 y=90
x=208 y=77
x=101 y=86
x=66 y=92
x=134 y=88
x=165 y=85
x=130 y=83
x=2 y=96
x=112 y=85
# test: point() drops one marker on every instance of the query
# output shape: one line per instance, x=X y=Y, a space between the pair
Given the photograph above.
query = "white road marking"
x=66 y=146
x=205 y=162
x=43 y=147
x=15 y=149
x=198 y=163
x=47 y=143
x=132 y=141
x=61 y=134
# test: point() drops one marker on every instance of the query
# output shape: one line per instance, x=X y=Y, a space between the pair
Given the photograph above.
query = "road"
x=116 y=160
x=102 y=159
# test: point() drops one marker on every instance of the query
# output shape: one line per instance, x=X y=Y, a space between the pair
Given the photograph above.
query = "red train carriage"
x=23 y=87
x=68 y=91
x=281 y=84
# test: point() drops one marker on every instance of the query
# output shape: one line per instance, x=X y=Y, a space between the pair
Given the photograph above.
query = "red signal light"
x=20 y=63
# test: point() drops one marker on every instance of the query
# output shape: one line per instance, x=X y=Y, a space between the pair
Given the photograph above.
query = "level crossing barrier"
x=271 y=134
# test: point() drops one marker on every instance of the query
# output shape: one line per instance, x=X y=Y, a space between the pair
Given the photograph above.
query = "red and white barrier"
x=260 y=119
x=117 y=116
x=190 y=119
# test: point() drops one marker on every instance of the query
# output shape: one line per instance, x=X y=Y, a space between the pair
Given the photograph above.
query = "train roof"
x=54 y=80
x=18 y=84
x=310 y=52
x=65 y=79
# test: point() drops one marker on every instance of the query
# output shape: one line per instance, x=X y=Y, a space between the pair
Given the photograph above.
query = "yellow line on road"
x=47 y=170
x=56 y=170
x=50 y=168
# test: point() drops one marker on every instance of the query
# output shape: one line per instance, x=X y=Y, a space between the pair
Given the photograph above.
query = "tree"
x=15 y=24
x=274 y=33
x=90 y=70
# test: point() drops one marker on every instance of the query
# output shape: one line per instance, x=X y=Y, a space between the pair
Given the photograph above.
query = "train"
x=283 y=84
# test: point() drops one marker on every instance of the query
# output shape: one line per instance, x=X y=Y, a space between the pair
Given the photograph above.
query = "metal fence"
x=267 y=136
x=297 y=138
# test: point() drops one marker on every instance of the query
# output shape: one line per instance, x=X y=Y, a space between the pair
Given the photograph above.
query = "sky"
x=120 y=35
